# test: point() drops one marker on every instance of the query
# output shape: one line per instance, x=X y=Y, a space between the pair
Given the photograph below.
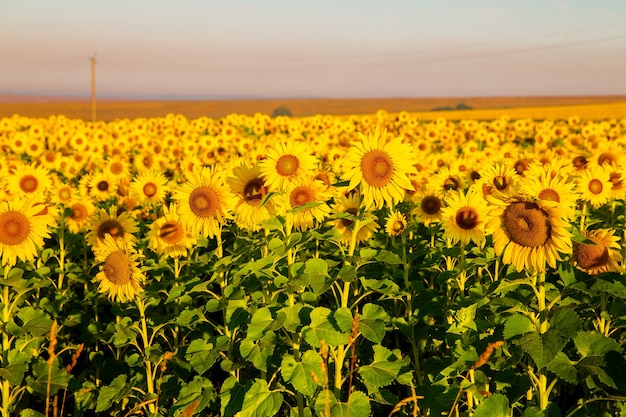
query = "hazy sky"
x=306 y=48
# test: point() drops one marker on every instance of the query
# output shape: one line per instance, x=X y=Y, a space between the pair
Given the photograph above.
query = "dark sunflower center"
x=117 y=268
x=590 y=256
x=607 y=158
x=466 y=218
x=28 y=183
x=171 y=232
x=521 y=166
x=203 y=201
x=580 y=162
x=14 y=228
x=300 y=196
x=287 y=165
x=550 y=195
x=150 y=189
x=398 y=227
x=103 y=185
x=500 y=182
x=110 y=227
x=526 y=224
x=348 y=222
x=116 y=168
x=595 y=186
x=451 y=183
x=79 y=212
x=377 y=168
x=616 y=180
x=254 y=191
x=431 y=205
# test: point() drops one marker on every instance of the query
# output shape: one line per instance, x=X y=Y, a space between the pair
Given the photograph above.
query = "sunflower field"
x=323 y=266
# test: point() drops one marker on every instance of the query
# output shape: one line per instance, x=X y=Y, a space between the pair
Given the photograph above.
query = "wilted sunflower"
x=604 y=256
x=22 y=230
x=149 y=187
x=29 y=181
x=205 y=201
x=250 y=188
x=349 y=204
x=464 y=217
x=119 y=276
x=307 y=192
x=286 y=164
x=594 y=185
x=168 y=236
x=395 y=223
x=528 y=233
x=382 y=168
x=103 y=223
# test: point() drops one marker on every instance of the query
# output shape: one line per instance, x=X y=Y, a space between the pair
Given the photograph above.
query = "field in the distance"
x=593 y=107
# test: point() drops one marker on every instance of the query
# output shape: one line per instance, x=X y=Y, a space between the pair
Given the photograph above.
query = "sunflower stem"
x=583 y=213
x=409 y=311
x=6 y=346
x=542 y=388
x=146 y=344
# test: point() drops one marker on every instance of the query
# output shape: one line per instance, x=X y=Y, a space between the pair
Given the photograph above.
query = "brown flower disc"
x=526 y=224
x=500 y=182
x=466 y=218
x=377 y=168
x=150 y=189
x=287 y=165
x=595 y=186
x=300 y=196
x=203 y=201
x=171 y=232
x=550 y=195
x=111 y=227
x=254 y=191
x=102 y=185
x=590 y=256
x=28 y=183
x=117 y=268
x=431 y=205
x=14 y=228
x=79 y=212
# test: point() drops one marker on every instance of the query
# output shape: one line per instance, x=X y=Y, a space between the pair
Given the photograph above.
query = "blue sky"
x=322 y=48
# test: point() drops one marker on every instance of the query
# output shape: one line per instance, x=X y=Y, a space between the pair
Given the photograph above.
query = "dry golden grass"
x=593 y=107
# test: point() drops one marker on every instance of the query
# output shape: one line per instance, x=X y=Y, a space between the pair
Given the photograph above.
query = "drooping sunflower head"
x=395 y=223
x=604 y=255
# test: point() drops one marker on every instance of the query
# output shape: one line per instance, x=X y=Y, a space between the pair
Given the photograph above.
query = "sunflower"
x=168 y=236
x=528 y=233
x=464 y=217
x=381 y=167
x=348 y=204
x=205 y=201
x=557 y=189
x=305 y=203
x=149 y=187
x=250 y=188
x=594 y=185
x=429 y=205
x=286 y=164
x=103 y=223
x=395 y=223
x=23 y=228
x=603 y=256
x=81 y=210
x=497 y=178
x=29 y=180
x=102 y=186
x=119 y=276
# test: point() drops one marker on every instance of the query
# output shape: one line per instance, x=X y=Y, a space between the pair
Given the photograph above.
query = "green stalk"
x=146 y=343
x=409 y=311
x=6 y=346
x=543 y=391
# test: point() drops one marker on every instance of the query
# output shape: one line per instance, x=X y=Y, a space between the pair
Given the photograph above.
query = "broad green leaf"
x=594 y=344
x=317 y=271
x=357 y=405
x=388 y=257
x=14 y=373
x=542 y=348
x=259 y=401
x=125 y=332
x=236 y=313
x=563 y=368
x=199 y=389
x=567 y=322
x=322 y=327
x=343 y=317
x=372 y=322
x=384 y=368
x=347 y=273
x=495 y=406
x=516 y=325
x=261 y=320
x=300 y=374
x=594 y=366
x=40 y=370
x=111 y=393
x=533 y=412
x=367 y=253
x=292 y=317
x=231 y=396
x=260 y=351
x=201 y=355
x=35 y=322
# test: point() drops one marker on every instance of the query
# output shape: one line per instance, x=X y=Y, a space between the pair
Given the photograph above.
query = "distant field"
x=594 y=107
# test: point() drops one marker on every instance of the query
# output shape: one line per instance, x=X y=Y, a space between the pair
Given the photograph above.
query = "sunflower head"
x=119 y=277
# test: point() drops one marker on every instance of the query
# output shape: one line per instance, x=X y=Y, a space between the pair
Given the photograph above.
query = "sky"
x=210 y=49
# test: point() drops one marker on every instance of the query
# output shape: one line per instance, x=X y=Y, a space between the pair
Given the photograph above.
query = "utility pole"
x=93 y=87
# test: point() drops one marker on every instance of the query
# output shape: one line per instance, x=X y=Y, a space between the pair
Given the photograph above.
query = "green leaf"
x=35 y=322
x=317 y=271
x=372 y=322
x=343 y=317
x=111 y=393
x=14 y=373
x=201 y=355
x=384 y=368
x=516 y=325
x=200 y=389
x=567 y=322
x=40 y=370
x=533 y=412
x=543 y=348
x=231 y=396
x=594 y=344
x=259 y=401
x=563 y=368
x=357 y=405
x=300 y=374
x=261 y=320
x=495 y=406
x=125 y=331
x=259 y=352
x=367 y=253
x=323 y=328
x=388 y=257
x=347 y=273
